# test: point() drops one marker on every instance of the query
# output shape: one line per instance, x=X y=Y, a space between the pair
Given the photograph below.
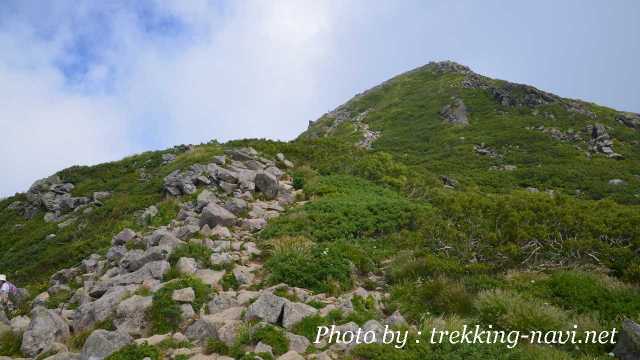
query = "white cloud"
x=248 y=70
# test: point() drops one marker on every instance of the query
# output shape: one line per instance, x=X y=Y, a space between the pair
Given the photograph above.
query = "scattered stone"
x=167 y=158
x=186 y=295
x=617 y=182
x=131 y=315
x=102 y=343
x=187 y=265
x=291 y=355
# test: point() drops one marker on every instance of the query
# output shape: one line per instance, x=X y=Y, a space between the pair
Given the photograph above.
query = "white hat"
x=3 y=277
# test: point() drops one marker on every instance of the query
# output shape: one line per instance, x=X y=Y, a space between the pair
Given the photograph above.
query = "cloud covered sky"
x=83 y=82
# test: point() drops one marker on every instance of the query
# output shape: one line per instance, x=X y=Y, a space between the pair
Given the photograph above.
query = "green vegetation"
x=487 y=251
x=135 y=182
x=165 y=313
x=135 y=352
x=193 y=250
x=10 y=344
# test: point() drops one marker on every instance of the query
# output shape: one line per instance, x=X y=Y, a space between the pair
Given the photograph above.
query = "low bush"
x=192 y=250
x=10 y=344
x=321 y=269
x=135 y=352
x=165 y=314
x=510 y=311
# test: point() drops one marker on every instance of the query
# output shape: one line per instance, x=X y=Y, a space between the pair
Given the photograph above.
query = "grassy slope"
x=452 y=252
x=29 y=258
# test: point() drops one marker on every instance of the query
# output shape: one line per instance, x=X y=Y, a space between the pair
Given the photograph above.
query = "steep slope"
x=493 y=134
x=436 y=199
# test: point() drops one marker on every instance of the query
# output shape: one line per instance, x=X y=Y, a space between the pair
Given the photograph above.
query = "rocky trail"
x=237 y=193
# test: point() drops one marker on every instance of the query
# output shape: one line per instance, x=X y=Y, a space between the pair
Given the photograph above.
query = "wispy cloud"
x=86 y=82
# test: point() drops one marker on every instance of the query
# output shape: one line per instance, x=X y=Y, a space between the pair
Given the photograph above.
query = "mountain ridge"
x=436 y=198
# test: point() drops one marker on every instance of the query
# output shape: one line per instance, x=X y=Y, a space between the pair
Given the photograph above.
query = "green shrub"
x=508 y=310
x=349 y=208
x=596 y=296
x=165 y=314
x=192 y=250
x=438 y=296
x=10 y=344
x=135 y=352
x=273 y=337
x=320 y=270
x=55 y=300
x=229 y=281
x=215 y=346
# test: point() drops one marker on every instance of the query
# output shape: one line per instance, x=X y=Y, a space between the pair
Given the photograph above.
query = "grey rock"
x=396 y=319
x=46 y=328
x=201 y=329
x=263 y=348
x=185 y=295
x=236 y=205
x=131 y=315
x=210 y=277
x=228 y=333
x=295 y=312
x=66 y=355
x=102 y=343
x=20 y=324
x=267 y=184
x=218 y=259
x=187 y=265
x=254 y=225
x=221 y=302
x=628 y=119
x=147 y=215
x=617 y=182
x=214 y=214
x=89 y=313
x=267 y=307
x=291 y=355
x=219 y=159
x=116 y=253
x=297 y=343
x=628 y=344
x=455 y=113
x=152 y=270
x=243 y=274
x=123 y=237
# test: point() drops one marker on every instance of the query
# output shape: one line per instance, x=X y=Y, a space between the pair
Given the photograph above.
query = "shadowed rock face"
x=455 y=113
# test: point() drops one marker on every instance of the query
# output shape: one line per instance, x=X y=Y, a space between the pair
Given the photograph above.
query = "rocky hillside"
x=436 y=199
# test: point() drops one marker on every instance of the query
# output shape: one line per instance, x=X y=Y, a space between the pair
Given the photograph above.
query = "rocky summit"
x=437 y=199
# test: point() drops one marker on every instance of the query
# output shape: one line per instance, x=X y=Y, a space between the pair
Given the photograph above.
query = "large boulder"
x=293 y=313
x=267 y=307
x=267 y=184
x=123 y=237
x=628 y=345
x=152 y=270
x=214 y=214
x=131 y=315
x=202 y=329
x=90 y=313
x=102 y=343
x=45 y=329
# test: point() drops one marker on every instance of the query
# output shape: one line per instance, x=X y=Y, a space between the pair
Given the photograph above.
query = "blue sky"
x=90 y=81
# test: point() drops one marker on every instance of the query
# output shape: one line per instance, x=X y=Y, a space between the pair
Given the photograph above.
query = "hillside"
x=438 y=198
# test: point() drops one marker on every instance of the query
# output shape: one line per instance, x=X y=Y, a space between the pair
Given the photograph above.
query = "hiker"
x=8 y=291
